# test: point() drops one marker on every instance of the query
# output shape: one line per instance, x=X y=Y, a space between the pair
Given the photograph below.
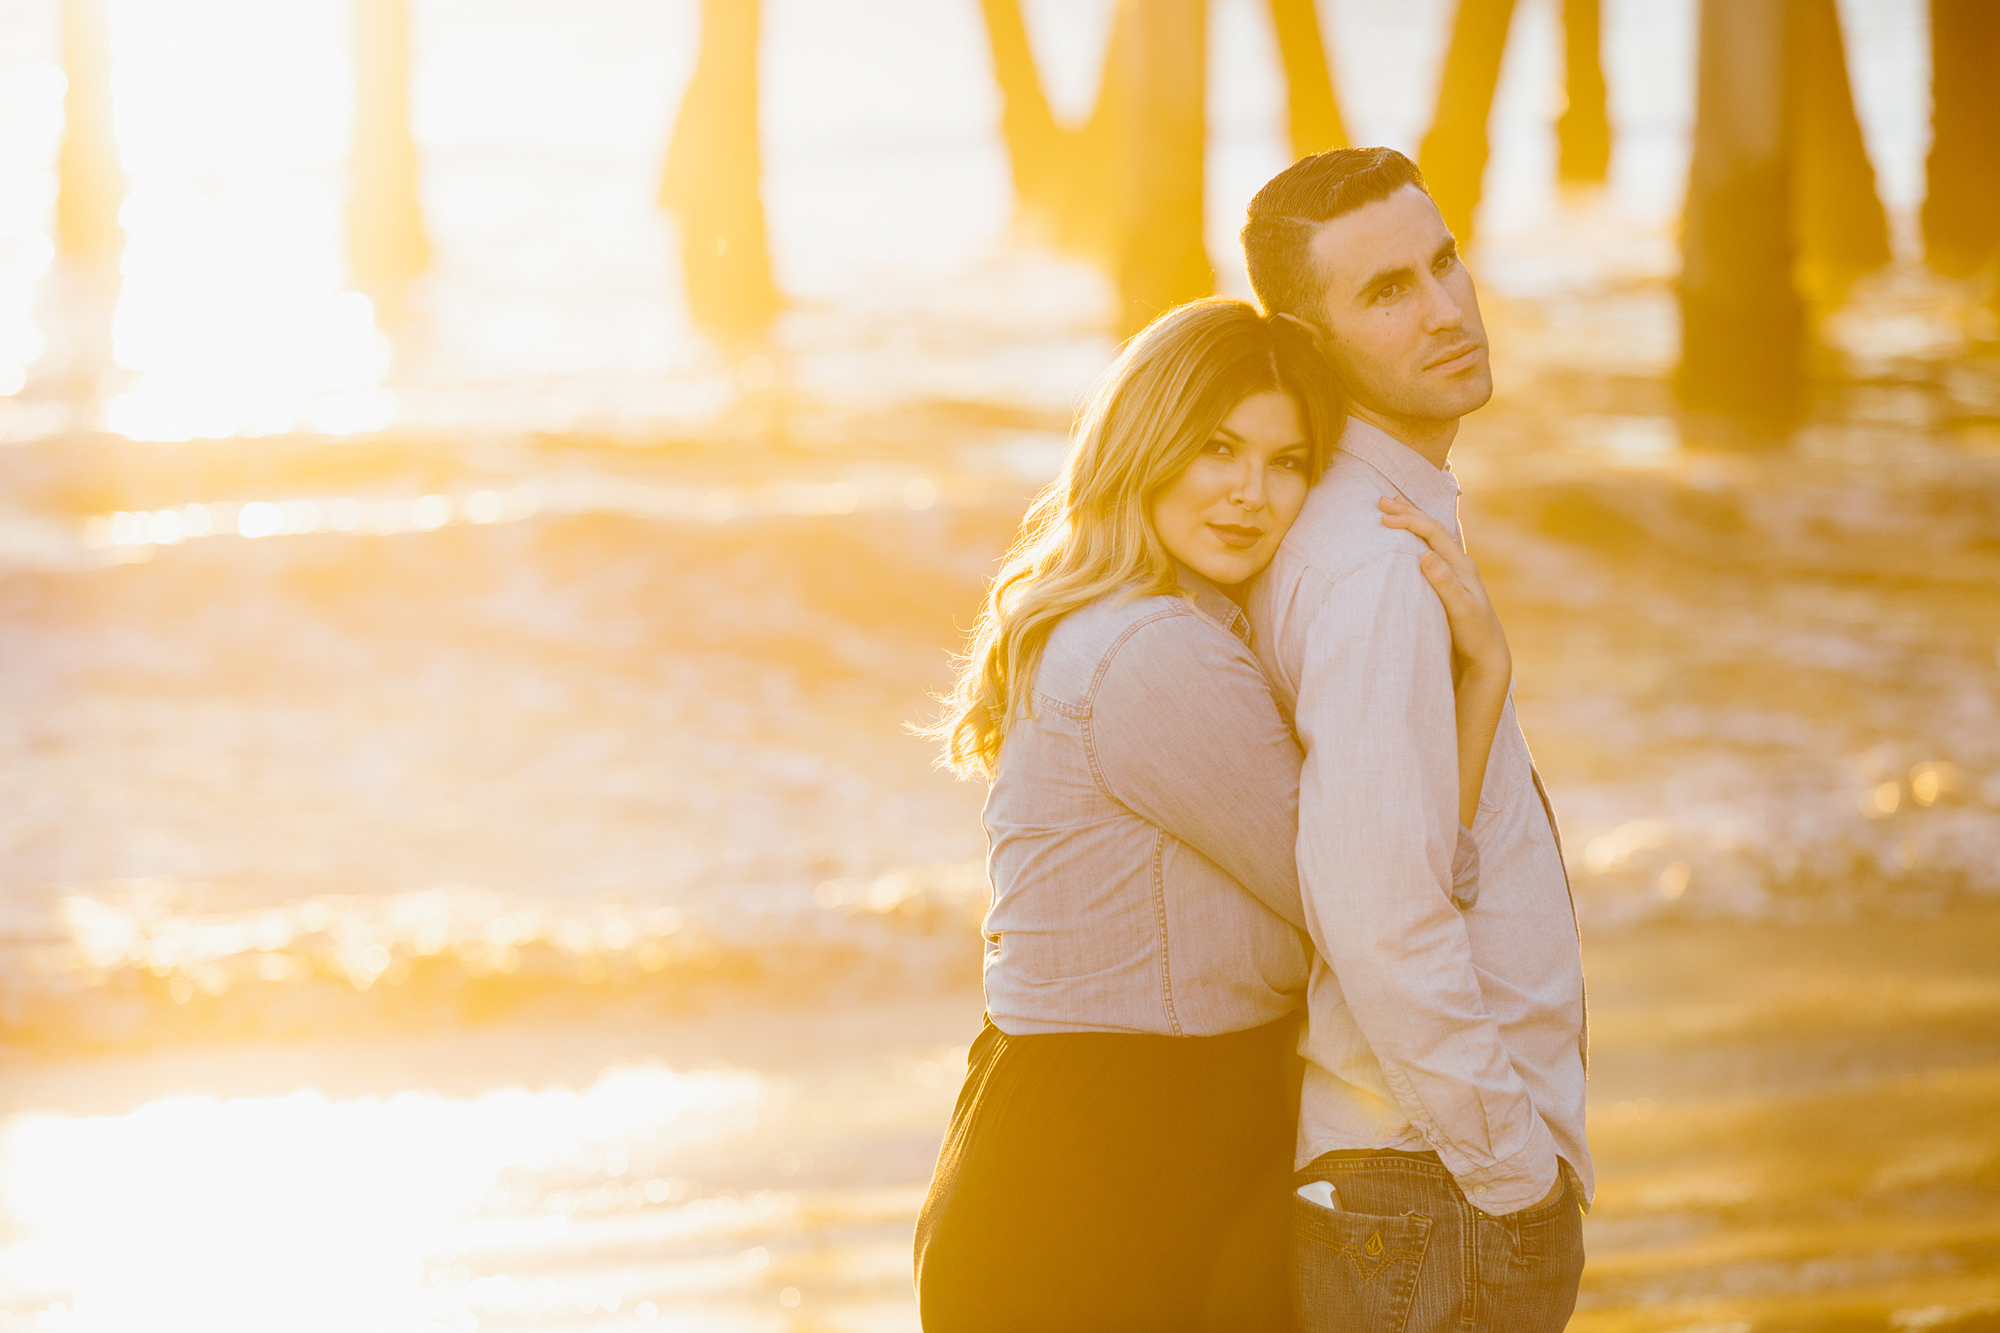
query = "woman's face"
x=1225 y=514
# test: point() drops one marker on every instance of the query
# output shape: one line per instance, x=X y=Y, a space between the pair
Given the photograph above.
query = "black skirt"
x=1110 y=1181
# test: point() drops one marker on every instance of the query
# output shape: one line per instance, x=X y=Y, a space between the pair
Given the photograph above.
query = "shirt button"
x=1479 y=1189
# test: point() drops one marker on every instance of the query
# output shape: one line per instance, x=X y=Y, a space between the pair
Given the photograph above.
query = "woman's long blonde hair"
x=1090 y=532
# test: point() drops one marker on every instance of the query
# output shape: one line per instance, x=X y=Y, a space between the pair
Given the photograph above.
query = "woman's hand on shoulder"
x=1478 y=643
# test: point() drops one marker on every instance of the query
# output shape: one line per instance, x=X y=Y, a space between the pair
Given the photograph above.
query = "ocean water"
x=542 y=651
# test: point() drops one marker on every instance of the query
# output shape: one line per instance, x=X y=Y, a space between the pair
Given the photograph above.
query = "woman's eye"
x=1292 y=463
x=1220 y=448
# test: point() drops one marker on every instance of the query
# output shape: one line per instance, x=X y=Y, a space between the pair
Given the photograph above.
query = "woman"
x=1120 y=1153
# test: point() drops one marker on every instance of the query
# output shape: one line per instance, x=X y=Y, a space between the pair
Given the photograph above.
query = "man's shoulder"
x=1340 y=529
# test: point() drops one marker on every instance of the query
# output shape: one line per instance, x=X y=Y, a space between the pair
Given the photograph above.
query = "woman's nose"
x=1248 y=492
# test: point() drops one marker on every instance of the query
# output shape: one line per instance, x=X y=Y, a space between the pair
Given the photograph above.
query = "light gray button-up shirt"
x=1431 y=1025
x=1141 y=826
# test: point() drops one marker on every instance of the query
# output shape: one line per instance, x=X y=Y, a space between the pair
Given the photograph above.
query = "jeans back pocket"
x=1355 y=1270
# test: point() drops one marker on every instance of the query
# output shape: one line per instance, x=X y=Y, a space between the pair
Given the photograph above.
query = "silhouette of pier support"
x=1839 y=225
x=1454 y=152
x=1313 y=111
x=90 y=184
x=1742 y=321
x=1124 y=190
x=1961 y=214
x=78 y=302
x=1583 y=132
x=387 y=246
x=713 y=183
x=1156 y=89
x=1782 y=212
x=1037 y=147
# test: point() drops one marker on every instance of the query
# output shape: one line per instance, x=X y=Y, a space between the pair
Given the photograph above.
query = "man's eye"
x=1387 y=293
x=1444 y=263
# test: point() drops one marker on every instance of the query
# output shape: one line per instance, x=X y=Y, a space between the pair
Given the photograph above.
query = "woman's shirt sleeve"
x=1184 y=732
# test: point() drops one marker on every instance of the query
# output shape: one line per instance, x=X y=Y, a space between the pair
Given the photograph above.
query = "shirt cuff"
x=1516 y=1182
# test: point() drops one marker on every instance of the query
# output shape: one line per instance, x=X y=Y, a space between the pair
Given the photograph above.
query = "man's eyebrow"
x=1387 y=275
x=1448 y=247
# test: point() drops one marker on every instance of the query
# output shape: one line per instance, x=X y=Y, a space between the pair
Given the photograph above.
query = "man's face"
x=1406 y=335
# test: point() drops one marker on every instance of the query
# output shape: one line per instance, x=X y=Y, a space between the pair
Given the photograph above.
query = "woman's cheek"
x=1288 y=494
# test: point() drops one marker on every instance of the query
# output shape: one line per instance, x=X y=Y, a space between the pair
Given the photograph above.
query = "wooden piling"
x=1838 y=222
x=387 y=247
x=1313 y=111
x=713 y=182
x=90 y=183
x=1453 y=154
x=1124 y=190
x=1961 y=214
x=1583 y=132
x=1741 y=317
x=1035 y=147
x=1159 y=137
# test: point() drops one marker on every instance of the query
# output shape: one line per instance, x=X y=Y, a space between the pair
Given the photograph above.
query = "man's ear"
x=1312 y=330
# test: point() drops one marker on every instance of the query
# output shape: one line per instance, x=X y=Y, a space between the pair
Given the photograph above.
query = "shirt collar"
x=1212 y=602
x=1431 y=489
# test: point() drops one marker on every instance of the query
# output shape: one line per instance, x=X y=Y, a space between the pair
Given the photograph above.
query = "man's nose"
x=1441 y=310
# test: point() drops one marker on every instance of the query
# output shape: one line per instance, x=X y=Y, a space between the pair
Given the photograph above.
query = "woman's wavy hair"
x=1090 y=532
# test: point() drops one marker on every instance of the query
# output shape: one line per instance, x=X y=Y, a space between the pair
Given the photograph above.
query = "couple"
x=1245 y=710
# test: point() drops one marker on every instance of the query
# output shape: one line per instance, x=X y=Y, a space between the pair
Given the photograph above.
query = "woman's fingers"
x=1398 y=513
x=1401 y=514
x=1476 y=635
x=1450 y=588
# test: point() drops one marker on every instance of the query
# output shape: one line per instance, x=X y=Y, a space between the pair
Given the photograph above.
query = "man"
x=1443 y=1095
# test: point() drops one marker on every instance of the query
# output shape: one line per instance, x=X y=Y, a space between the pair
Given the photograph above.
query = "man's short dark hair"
x=1288 y=211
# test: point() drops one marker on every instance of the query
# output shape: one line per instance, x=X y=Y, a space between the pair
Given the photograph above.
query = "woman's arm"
x=1184 y=733
x=1482 y=668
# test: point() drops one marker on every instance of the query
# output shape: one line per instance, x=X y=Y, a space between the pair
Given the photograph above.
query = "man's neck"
x=1429 y=437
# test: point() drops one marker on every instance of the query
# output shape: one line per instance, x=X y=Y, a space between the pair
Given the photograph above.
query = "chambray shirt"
x=1456 y=1026
x=1141 y=826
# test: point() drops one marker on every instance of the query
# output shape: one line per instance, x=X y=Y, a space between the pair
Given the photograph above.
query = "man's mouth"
x=1236 y=535
x=1450 y=358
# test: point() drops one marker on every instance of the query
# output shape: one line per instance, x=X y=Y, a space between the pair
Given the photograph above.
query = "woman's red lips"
x=1236 y=535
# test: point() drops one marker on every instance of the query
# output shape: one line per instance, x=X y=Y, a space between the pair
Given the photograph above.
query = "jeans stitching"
x=1401 y=1297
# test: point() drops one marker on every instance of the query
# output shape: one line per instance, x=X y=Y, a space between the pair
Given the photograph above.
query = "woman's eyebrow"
x=1227 y=433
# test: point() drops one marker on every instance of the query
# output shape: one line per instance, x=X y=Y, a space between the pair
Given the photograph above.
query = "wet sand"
x=1797 y=1127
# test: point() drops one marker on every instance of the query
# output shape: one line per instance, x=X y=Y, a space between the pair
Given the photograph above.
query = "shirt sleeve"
x=1185 y=734
x=1379 y=842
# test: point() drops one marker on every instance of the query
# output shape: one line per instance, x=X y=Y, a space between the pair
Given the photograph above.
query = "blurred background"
x=483 y=487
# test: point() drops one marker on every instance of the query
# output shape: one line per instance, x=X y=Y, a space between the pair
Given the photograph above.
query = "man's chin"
x=1478 y=393
x=1466 y=392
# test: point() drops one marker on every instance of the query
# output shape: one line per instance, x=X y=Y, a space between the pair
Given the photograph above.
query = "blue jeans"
x=1407 y=1254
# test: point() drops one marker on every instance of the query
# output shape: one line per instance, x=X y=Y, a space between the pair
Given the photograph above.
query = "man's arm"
x=1378 y=826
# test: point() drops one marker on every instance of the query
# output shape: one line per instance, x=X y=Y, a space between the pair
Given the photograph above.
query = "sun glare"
x=302 y=1212
x=234 y=316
